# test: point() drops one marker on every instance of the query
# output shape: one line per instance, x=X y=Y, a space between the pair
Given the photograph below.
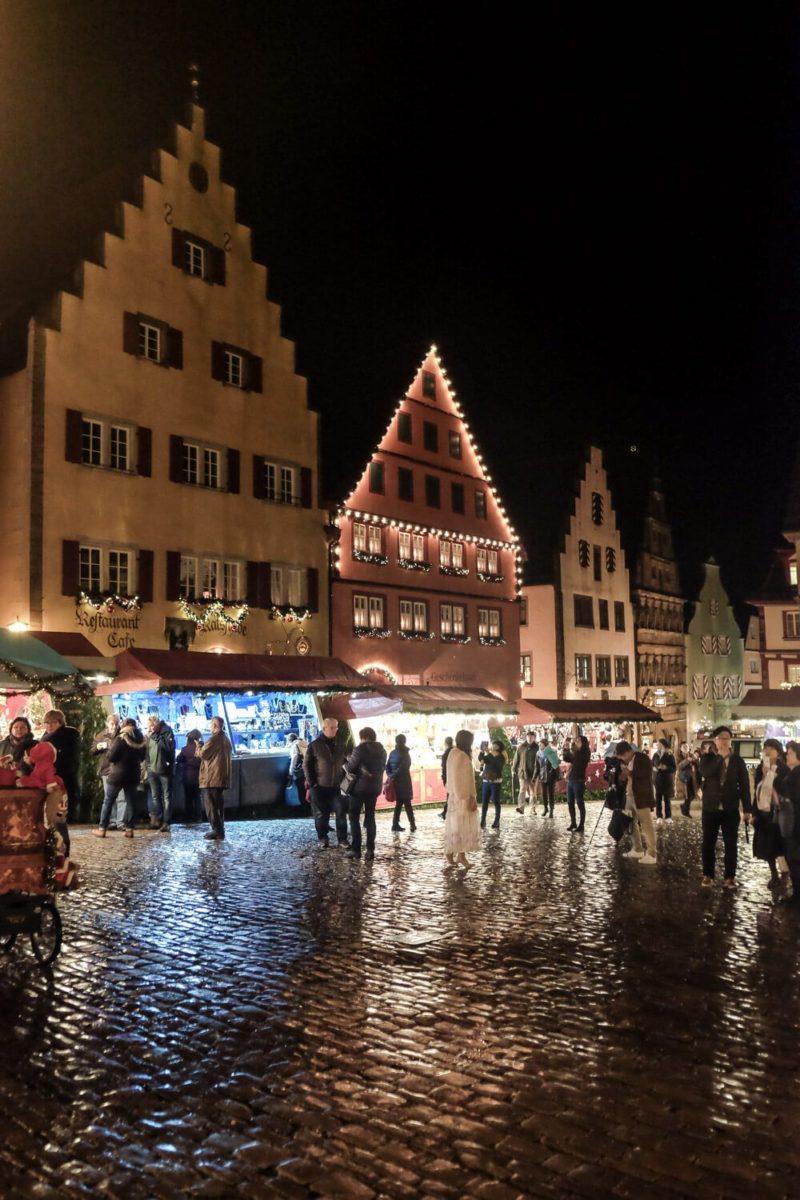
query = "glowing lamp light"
x=18 y=626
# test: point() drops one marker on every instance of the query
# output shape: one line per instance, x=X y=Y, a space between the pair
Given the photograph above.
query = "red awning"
x=175 y=670
x=422 y=699
x=542 y=712
x=69 y=645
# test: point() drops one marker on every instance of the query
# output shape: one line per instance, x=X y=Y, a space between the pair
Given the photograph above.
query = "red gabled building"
x=424 y=578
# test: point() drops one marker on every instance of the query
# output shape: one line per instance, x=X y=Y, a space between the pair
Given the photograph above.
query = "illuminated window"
x=418 y=547
x=406 y=616
x=420 y=616
x=375 y=539
x=376 y=612
x=526 y=669
x=188 y=577
x=793 y=572
x=459 y=620
x=523 y=610
x=210 y=578
x=454 y=443
x=360 y=612
x=489 y=622
x=404 y=544
x=359 y=537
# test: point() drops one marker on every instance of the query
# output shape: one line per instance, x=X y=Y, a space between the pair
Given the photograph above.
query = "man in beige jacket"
x=215 y=776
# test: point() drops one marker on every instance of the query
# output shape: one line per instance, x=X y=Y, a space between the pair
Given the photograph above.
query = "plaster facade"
x=425 y=561
x=165 y=456
x=537 y=642
x=714 y=655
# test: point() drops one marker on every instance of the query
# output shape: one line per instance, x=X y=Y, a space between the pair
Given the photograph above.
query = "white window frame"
x=375 y=539
x=360 y=611
x=359 y=537
x=445 y=553
x=420 y=616
x=526 y=669
x=101 y=564
x=287 y=492
x=297 y=586
x=270 y=480
x=191 y=463
x=188 y=581
x=480 y=559
x=406 y=616
x=212 y=468
x=150 y=341
x=618 y=680
x=418 y=547
x=123 y=462
x=491 y=561
x=210 y=579
x=377 y=618
x=91 y=453
x=90 y=578
x=233 y=368
x=446 y=618
x=404 y=544
x=194 y=262
x=459 y=620
x=791 y=624
x=495 y=626
x=583 y=679
x=97 y=443
x=120 y=573
x=232 y=580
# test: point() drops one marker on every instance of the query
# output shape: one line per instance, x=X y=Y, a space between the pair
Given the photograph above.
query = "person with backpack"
x=547 y=768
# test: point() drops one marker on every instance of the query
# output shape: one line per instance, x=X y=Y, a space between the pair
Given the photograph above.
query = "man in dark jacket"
x=100 y=748
x=160 y=768
x=524 y=769
x=67 y=741
x=577 y=755
x=367 y=763
x=125 y=755
x=664 y=768
x=726 y=789
x=637 y=776
x=324 y=766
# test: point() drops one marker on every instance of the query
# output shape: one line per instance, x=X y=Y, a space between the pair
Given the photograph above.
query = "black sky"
x=591 y=209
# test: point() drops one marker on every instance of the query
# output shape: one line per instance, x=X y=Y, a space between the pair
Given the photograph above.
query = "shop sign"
x=118 y=629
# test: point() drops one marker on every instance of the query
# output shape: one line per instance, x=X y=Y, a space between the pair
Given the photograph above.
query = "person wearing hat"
x=771 y=775
x=189 y=772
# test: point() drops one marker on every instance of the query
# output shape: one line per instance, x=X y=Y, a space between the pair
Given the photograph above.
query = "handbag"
x=784 y=817
x=346 y=786
x=389 y=791
x=619 y=824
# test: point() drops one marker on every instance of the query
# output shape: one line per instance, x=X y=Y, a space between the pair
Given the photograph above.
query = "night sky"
x=591 y=209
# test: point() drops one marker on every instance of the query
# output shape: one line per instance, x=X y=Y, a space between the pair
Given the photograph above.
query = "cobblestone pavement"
x=257 y=1019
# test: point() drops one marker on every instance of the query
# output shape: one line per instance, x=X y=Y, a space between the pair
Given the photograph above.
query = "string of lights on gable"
x=513 y=544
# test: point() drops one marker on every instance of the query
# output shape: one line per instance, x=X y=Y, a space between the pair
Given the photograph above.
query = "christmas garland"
x=416 y=635
x=412 y=564
x=109 y=601
x=492 y=641
x=213 y=610
x=43 y=683
x=285 y=612
x=453 y=570
x=364 y=631
x=463 y=638
x=486 y=578
x=377 y=560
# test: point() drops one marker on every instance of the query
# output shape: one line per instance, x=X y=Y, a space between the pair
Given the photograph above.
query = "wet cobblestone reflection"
x=256 y=1019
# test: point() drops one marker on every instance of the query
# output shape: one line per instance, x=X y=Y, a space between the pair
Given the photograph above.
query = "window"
x=106 y=445
x=101 y=570
x=404 y=544
x=418 y=547
x=89 y=569
x=190 y=460
x=376 y=612
x=211 y=468
x=523 y=610
x=210 y=578
x=405 y=484
x=619 y=616
x=430 y=437
x=446 y=618
x=584 y=611
x=149 y=341
x=611 y=560
x=597 y=508
x=218 y=579
x=452 y=622
x=480 y=505
x=231 y=581
x=526 y=669
x=602 y=670
x=457 y=497
x=489 y=622
x=286 y=495
x=791 y=625
x=459 y=620
x=376 y=483
x=583 y=553
x=188 y=577
x=602 y=612
x=195 y=259
x=621 y=671
x=432 y=491
x=375 y=539
x=92 y=442
x=233 y=368
x=420 y=616
x=597 y=562
x=359 y=537
x=792 y=672
x=486 y=561
x=280 y=483
x=583 y=670
x=406 y=616
x=428 y=385
x=445 y=554
x=360 y=612
x=793 y=572
x=404 y=427
x=454 y=444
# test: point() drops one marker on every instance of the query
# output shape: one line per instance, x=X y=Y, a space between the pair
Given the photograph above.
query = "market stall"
x=28 y=666
x=765 y=713
x=262 y=699
x=426 y=715
x=602 y=722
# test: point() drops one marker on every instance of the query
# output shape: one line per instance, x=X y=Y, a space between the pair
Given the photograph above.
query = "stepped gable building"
x=659 y=620
x=160 y=487
x=714 y=656
x=425 y=560
x=579 y=631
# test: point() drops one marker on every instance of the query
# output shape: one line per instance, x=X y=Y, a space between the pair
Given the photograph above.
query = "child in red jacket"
x=42 y=758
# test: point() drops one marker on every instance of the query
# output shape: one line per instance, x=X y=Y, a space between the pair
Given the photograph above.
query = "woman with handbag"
x=771 y=774
x=398 y=784
x=461 y=829
x=789 y=816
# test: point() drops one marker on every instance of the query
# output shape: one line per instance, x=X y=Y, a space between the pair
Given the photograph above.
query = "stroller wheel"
x=46 y=942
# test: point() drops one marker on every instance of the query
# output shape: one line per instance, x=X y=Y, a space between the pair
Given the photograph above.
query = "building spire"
x=194 y=82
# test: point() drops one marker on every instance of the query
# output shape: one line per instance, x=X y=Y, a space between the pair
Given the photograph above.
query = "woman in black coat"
x=790 y=789
x=398 y=771
x=771 y=775
x=367 y=763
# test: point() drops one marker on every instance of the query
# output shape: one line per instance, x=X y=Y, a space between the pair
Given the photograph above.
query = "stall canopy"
x=769 y=702
x=182 y=670
x=545 y=712
x=27 y=663
x=406 y=698
x=77 y=649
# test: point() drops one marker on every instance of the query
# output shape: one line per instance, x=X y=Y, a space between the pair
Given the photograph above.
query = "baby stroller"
x=27 y=864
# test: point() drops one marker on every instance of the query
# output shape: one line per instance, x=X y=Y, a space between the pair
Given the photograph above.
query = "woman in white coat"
x=461 y=826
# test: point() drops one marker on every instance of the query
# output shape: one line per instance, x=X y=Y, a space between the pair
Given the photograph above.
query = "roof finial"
x=194 y=81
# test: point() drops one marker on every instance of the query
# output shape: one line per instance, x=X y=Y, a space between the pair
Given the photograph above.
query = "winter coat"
x=460 y=776
x=525 y=759
x=161 y=750
x=189 y=763
x=367 y=763
x=398 y=769
x=125 y=756
x=664 y=780
x=43 y=774
x=547 y=764
x=724 y=789
x=67 y=741
x=492 y=766
x=579 y=761
x=445 y=757
x=15 y=748
x=790 y=788
x=101 y=745
x=323 y=762
x=767 y=840
x=215 y=762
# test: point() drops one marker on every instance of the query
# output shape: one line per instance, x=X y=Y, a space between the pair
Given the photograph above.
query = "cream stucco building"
x=160 y=488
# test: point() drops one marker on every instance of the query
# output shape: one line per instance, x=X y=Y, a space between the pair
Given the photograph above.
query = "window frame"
x=405 y=426
x=605 y=661
x=619 y=681
x=229 y=359
x=454 y=445
x=526 y=668
x=602 y=614
x=580 y=600
x=194 y=254
x=791 y=624
x=620 y=624
x=433 y=491
x=102 y=556
x=430 y=437
x=105 y=428
x=580 y=679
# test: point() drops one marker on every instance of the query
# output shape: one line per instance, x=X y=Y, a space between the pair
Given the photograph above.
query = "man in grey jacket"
x=324 y=766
